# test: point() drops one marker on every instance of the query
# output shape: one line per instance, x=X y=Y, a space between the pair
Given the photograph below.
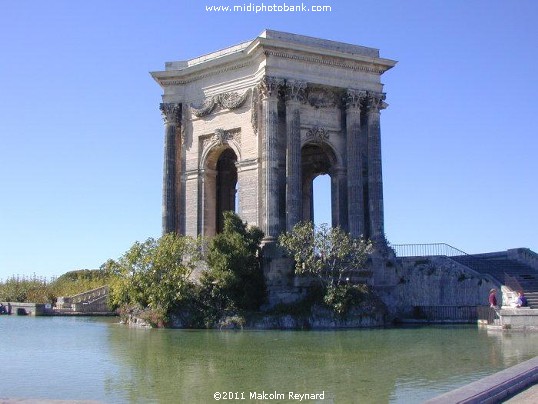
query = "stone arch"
x=219 y=180
x=318 y=158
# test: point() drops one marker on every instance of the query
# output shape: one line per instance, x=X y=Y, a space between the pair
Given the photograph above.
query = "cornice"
x=248 y=55
x=182 y=77
x=333 y=61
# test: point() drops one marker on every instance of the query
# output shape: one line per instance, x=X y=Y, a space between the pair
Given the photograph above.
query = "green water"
x=90 y=358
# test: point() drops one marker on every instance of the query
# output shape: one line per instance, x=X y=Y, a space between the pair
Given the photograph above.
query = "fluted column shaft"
x=269 y=88
x=375 y=179
x=294 y=197
x=171 y=113
x=339 y=198
x=355 y=193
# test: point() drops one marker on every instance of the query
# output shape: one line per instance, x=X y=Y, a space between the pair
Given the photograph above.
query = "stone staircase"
x=500 y=264
x=91 y=301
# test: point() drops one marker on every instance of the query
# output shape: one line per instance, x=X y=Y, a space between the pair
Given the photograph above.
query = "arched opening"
x=317 y=162
x=219 y=188
x=226 y=185
x=321 y=199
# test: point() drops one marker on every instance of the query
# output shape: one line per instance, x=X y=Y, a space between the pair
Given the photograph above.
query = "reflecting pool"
x=88 y=358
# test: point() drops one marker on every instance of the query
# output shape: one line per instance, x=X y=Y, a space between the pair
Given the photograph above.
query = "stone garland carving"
x=229 y=101
x=254 y=105
x=171 y=112
x=317 y=134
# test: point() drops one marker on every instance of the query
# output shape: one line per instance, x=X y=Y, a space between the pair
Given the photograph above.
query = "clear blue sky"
x=82 y=136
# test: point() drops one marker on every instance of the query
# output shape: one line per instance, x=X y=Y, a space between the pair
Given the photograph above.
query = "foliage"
x=342 y=297
x=75 y=282
x=235 y=280
x=36 y=289
x=154 y=274
x=332 y=256
x=328 y=253
x=25 y=289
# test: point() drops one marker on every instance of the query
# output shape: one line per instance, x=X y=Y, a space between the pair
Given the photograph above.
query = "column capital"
x=171 y=113
x=269 y=87
x=294 y=90
x=375 y=102
x=354 y=98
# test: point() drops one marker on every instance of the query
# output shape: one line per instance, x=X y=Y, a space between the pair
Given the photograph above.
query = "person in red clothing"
x=493 y=298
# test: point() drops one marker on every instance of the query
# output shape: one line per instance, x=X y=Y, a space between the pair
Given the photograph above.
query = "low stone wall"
x=522 y=318
x=320 y=319
x=434 y=282
x=525 y=256
x=27 y=309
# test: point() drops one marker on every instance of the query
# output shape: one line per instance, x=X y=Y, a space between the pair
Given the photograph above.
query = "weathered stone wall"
x=434 y=281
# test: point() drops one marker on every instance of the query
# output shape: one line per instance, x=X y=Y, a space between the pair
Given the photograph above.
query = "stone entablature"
x=249 y=127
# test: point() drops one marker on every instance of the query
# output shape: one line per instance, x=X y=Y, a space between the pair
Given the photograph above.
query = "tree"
x=235 y=279
x=154 y=273
x=328 y=253
x=332 y=256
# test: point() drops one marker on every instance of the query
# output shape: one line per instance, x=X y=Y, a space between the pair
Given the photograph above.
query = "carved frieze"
x=317 y=134
x=221 y=137
x=171 y=113
x=322 y=98
x=231 y=101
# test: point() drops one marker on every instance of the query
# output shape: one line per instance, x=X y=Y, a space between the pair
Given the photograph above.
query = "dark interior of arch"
x=226 y=185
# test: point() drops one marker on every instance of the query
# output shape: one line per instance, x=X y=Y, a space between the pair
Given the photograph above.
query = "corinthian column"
x=172 y=125
x=355 y=192
x=268 y=89
x=294 y=199
x=375 y=179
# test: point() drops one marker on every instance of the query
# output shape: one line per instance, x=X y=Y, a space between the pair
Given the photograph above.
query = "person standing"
x=493 y=298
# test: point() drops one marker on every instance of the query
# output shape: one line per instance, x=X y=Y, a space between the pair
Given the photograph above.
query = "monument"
x=249 y=127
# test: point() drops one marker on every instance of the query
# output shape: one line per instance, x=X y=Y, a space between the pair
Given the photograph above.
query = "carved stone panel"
x=229 y=101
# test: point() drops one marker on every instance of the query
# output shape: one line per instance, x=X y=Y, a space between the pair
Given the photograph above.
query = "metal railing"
x=446 y=313
x=425 y=250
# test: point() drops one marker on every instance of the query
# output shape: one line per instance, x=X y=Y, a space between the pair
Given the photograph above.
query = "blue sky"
x=82 y=136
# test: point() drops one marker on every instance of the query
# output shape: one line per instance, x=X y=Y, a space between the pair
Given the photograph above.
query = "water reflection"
x=93 y=359
x=403 y=365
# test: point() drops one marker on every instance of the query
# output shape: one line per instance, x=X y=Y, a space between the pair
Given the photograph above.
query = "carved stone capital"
x=354 y=98
x=376 y=102
x=295 y=90
x=269 y=87
x=171 y=113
